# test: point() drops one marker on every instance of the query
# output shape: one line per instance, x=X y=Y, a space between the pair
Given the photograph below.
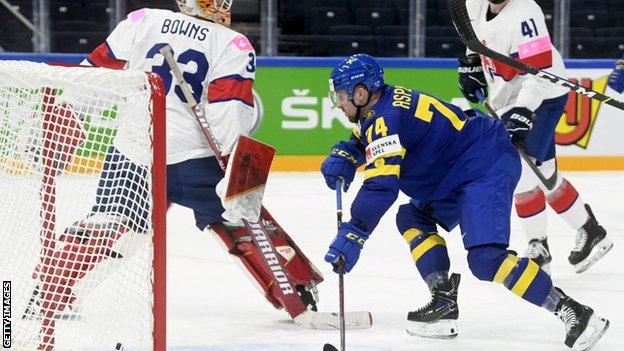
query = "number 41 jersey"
x=217 y=63
x=518 y=31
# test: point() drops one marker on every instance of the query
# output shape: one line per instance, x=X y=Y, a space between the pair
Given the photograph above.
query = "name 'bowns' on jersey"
x=422 y=146
x=219 y=65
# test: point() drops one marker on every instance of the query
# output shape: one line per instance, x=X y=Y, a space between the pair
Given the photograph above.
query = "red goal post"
x=82 y=207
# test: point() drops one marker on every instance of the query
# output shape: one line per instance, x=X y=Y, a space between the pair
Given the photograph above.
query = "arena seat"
x=444 y=47
x=589 y=19
x=349 y=45
x=319 y=19
x=375 y=17
x=350 y=29
x=76 y=42
x=586 y=47
x=390 y=31
x=393 y=46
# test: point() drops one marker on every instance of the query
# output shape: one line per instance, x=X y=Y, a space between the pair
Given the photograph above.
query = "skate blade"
x=443 y=329
x=596 y=254
x=596 y=327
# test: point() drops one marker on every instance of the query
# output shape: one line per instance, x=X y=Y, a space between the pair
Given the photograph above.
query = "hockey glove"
x=347 y=244
x=616 y=78
x=519 y=122
x=342 y=162
x=471 y=77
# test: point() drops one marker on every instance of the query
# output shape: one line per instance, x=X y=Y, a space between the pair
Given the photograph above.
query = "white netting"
x=76 y=206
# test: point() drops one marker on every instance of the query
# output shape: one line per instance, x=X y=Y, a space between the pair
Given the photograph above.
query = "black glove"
x=518 y=121
x=471 y=77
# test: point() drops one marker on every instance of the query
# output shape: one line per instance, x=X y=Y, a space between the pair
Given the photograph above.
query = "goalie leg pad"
x=83 y=247
x=238 y=242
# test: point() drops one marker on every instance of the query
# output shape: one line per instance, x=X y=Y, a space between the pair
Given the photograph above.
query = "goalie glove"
x=519 y=122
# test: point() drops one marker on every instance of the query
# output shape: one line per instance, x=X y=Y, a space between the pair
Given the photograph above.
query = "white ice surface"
x=213 y=306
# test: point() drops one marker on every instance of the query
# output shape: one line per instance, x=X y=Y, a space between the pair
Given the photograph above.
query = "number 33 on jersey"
x=218 y=64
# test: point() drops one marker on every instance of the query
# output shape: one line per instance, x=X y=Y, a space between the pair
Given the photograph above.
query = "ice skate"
x=538 y=251
x=437 y=319
x=583 y=327
x=591 y=244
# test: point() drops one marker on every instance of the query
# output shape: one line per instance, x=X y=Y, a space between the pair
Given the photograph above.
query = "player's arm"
x=384 y=154
x=116 y=50
x=531 y=44
x=381 y=174
x=230 y=106
x=343 y=160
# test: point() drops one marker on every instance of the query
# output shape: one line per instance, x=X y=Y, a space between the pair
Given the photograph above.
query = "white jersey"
x=518 y=31
x=217 y=62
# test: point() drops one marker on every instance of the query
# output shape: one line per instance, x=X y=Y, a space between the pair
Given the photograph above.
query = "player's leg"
x=485 y=207
x=92 y=248
x=530 y=199
x=438 y=318
x=530 y=204
x=192 y=184
x=591 y=241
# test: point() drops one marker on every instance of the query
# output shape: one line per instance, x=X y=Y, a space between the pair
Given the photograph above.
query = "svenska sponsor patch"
x=381 y=147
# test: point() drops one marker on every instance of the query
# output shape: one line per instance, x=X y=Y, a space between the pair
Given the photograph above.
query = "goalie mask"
x=217 y=11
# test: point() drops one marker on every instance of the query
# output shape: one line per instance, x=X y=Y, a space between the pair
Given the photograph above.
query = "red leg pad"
x=238 y=243
x=62 y=268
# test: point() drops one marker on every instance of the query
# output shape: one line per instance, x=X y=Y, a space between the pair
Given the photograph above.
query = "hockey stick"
x=550 y=182
x=461 y=20
x=260 y=236
x=340 y=265
x=303 y=317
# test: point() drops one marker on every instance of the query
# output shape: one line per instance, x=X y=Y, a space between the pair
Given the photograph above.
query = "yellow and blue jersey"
x=425 y=147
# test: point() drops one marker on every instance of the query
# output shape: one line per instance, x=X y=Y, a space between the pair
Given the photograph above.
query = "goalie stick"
x=461 y=20
x=305 y=318
x=550 y=182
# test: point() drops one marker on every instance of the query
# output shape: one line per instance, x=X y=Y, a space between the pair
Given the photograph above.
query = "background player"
x=457 y=169
x=517 y=28
x=219 y=64
x=616 y=78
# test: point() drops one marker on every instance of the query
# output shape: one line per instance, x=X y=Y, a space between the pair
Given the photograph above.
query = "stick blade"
x=329 y=347
x=355 y=320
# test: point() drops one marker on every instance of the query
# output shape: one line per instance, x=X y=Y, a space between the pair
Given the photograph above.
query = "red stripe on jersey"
x=563 y=198
x=530 y=203
x=539 y=61
x=231 y=88
x=103 y=57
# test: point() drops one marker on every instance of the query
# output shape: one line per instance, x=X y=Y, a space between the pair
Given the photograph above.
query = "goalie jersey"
x=218 y=63
x=518 y=31
x=422 y=146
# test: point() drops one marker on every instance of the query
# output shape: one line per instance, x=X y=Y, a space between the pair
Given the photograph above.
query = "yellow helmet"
x=217 y=11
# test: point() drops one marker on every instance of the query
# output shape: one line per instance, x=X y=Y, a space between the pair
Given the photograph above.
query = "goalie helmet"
x=353 y=71
x=217 y=11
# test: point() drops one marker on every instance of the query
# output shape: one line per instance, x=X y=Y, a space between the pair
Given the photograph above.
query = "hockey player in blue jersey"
x=458 y=168
x=616 y=78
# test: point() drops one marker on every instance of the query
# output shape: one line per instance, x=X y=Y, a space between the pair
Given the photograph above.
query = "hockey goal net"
x=82 y=208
